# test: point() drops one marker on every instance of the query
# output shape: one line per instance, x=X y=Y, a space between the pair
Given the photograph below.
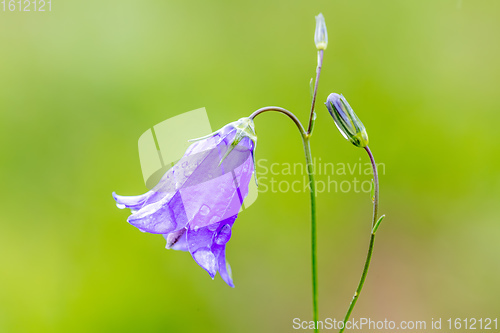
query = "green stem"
x=372 y=240
x=318 y=73
x=312 y=190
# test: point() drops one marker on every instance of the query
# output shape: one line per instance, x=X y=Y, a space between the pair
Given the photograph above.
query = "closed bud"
x=320 y=35
x=346 y=120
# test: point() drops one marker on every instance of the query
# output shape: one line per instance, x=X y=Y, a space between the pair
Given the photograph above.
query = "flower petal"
x=161 y=217
x=204 y=245
x=214 y=199
x=206 y=259
x=133 y=202
x=225 y=269
x=219 y=249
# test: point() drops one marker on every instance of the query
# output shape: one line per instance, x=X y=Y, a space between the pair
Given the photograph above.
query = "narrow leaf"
x=375 y=227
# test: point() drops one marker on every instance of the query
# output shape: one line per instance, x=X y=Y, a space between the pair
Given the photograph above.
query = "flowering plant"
x=196 y=202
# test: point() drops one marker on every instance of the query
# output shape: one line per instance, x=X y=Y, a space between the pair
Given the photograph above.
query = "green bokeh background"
x=80 y=84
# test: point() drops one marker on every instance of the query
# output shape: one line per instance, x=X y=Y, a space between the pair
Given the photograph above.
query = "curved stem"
x=372 y=240
x=318 y=72
x=281 y=110
x=312 y=189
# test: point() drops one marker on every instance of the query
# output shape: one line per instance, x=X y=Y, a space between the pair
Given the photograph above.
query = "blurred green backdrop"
x=80 y=84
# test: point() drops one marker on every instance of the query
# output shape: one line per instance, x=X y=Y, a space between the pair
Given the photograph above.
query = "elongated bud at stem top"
x=320 y=35
x=346 y=120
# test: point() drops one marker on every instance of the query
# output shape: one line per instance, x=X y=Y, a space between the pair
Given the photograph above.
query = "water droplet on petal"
x=204 y=210
x=224 y=235
x=121 y=206
x=184 y=164
x=206 y=259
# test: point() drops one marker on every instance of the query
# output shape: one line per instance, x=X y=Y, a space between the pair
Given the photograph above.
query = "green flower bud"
x=346 y=120
x=320 y=35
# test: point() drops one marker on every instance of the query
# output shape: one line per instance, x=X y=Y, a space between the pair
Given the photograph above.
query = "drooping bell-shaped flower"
x=197 y=201
x=346 y=120
x=320 y=34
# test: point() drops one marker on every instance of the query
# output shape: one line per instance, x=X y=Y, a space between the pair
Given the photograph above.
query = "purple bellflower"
x=196 y=202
